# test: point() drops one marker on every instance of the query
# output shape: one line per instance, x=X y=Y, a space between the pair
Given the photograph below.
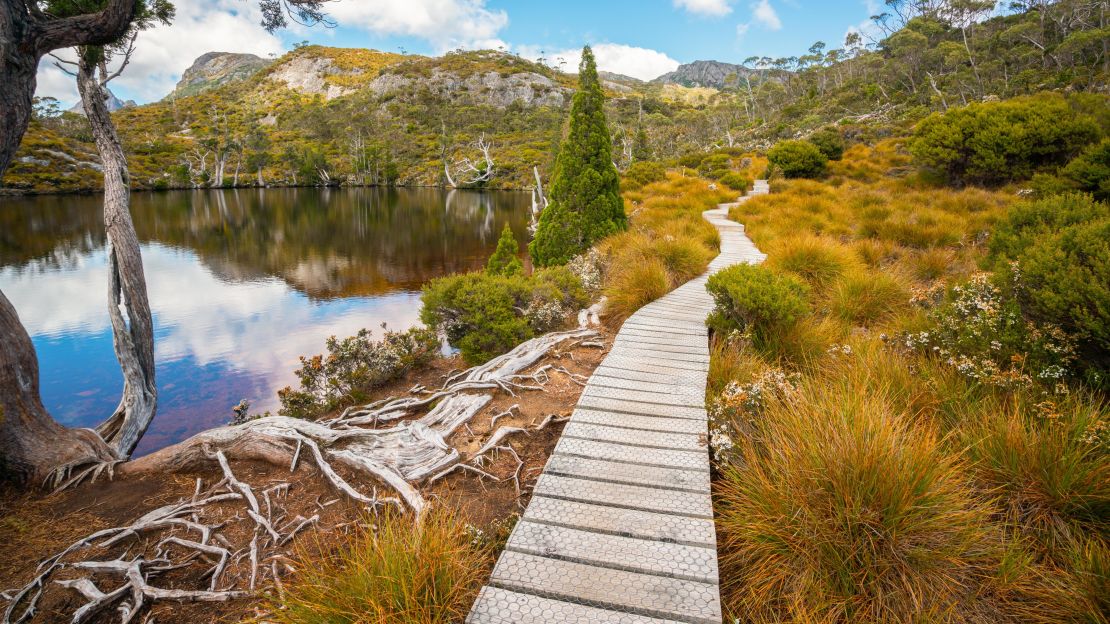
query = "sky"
x=639 y=38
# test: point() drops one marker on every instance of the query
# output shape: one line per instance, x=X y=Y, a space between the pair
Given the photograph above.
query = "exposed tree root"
x=401 y=456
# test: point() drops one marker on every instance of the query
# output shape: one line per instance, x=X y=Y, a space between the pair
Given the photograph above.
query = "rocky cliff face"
x=217 y=68
x=713 y=74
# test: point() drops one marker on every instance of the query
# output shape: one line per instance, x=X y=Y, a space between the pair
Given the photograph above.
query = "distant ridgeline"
x=321 y=115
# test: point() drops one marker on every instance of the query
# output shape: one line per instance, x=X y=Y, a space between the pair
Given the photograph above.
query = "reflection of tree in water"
x=324 y=242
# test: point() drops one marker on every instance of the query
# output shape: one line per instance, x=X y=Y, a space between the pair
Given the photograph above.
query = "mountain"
x=114 y=104
x=712 y=74
x=214 y=69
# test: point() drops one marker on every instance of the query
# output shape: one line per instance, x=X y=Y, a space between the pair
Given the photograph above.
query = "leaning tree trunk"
x=32 y=444
x=128 y=306
x=17 y=75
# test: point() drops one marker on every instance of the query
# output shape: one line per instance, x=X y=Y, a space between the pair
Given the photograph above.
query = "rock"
x=114 y=104
x=713 y=74
x=214 y=69
x=490 y=88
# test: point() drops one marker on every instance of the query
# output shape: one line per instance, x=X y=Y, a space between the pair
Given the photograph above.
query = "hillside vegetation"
x=327 y=115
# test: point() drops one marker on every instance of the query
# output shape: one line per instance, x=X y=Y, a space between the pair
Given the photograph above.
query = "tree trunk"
x=24 y=39
x=128 y=306
x=32 y=444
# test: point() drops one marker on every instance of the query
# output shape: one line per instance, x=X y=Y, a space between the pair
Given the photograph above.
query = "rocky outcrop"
x=308 y=74
x=713 y=74
x=215 y=69
x=490 y=88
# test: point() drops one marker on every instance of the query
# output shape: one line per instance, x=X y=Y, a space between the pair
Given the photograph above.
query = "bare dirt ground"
x=34 y=527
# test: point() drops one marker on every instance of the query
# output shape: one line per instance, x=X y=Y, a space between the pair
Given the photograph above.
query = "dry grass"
x=393 y=572
x=890 y=487
x=667 y=243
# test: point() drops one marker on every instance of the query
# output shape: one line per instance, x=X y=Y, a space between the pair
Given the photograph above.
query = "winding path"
x=620 y=525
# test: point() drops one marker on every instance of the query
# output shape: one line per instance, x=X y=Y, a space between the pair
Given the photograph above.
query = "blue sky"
x=640 y=38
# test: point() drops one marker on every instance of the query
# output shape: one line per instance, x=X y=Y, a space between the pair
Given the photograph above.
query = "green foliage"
x=487 y=314
x=640 y=174
x=1062 y=261
x=979 y=330
x=586 y=203
x=829 y=141
x=1090 y=171
x=390 y=569
x=504 y=260
x=753 y=298
x=995 y=142
x=736 y=181
x=797 y=159
x=353 y=367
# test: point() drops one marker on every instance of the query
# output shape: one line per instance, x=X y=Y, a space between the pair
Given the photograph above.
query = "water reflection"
x=241 y=283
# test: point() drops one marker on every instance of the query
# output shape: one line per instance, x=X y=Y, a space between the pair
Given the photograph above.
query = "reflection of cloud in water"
x=253 y=330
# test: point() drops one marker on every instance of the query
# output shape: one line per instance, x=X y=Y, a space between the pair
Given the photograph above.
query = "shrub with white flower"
x=736 y=409
x=589 y=267
x=980 y=331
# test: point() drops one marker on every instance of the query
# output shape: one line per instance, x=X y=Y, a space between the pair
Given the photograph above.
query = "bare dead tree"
x=471 y=172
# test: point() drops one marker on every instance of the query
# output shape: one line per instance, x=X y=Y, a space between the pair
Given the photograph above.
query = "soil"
x=34 y=527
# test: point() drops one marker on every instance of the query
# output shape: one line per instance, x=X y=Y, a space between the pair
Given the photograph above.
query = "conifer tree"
x=585 y=203
x=504 y=260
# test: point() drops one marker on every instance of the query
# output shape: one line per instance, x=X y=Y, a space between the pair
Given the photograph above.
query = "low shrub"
x=736 y=181
x=1062 y=273
x=994 y=142
x=829 y=141
x=485 y=315
x=753 y=298
x=797 y=159
x=353 y=367
x=1090 y=171
x=640 y=174
x=394 y=572
x=982 y=333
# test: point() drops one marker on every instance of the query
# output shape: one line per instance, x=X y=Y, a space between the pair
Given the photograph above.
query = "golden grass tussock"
x=667 y=243
x=393 y=571
x=889 y=485
x=845 y=506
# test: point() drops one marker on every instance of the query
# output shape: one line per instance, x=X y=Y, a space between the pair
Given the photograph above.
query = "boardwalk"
x=620 y=525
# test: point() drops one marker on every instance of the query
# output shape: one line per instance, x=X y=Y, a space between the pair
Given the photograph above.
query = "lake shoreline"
x=8 y=192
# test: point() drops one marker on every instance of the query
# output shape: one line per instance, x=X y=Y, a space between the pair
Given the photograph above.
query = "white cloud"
x=446 y=24
x=162 y=53
x=765 y=14
x=742 y=29
x=705 y=7
x=642 y=63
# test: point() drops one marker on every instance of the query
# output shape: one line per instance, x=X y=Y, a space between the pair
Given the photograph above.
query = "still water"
x=241 y=282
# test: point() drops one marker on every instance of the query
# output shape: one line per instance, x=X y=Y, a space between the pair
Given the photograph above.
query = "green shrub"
x=797 y=159
x=353 y=367
x=753 y=298
x=479 y=313
x=829 y=141
x=640 y=174
x=504 y=260
x=714 y=162
x=485 y=315
x=1090 y=171
x=1061 y=246
x=1000 y=141
x=981 y=331
x=396 y=572
x=735 y=181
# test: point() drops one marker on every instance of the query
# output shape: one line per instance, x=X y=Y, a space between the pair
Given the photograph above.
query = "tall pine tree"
x=585 y=203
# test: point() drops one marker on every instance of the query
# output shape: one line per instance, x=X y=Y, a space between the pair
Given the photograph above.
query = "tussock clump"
x=395 y=571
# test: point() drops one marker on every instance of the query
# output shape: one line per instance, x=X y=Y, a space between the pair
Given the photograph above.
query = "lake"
x=241 y=283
